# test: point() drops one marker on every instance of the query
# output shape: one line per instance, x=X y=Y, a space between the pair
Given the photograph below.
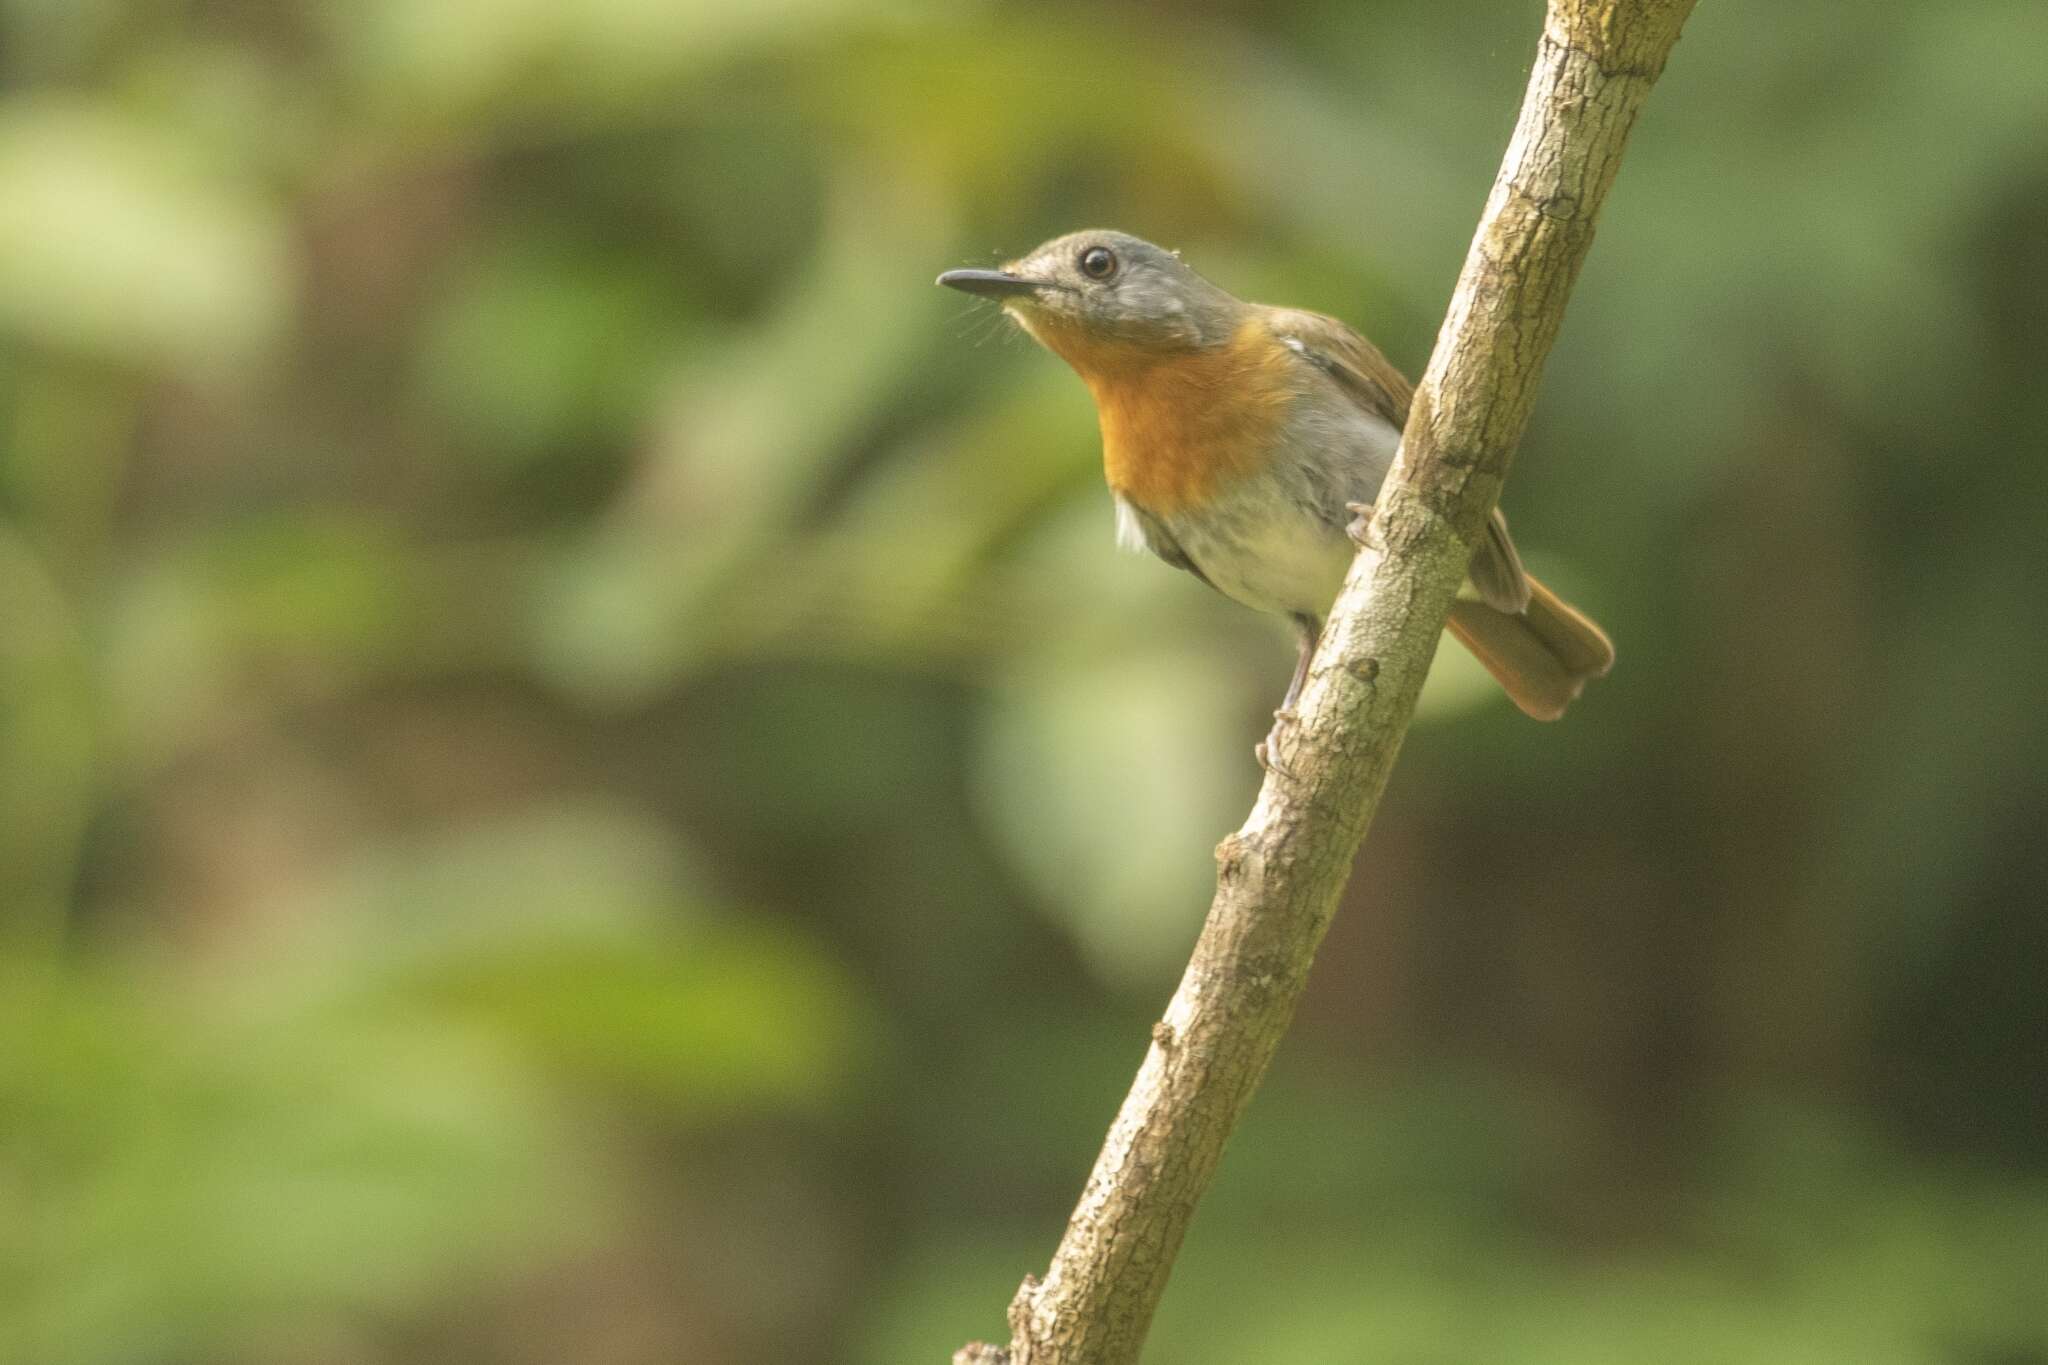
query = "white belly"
x=1268 y=552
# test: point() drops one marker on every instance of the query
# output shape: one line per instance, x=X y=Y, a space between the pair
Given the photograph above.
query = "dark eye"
x=1098 y=263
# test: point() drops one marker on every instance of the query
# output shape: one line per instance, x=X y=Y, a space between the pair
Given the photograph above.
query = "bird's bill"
x=994 y=284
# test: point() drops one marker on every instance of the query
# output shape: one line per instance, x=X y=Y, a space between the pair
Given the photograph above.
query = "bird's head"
x=1097 y=297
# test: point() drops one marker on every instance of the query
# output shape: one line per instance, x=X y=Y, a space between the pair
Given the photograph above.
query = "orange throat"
x=1179 y=425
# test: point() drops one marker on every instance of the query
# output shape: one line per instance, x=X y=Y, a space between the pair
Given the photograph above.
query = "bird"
x=1243 y=443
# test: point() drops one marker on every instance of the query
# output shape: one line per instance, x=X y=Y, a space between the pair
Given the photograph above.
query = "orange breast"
x=1176 y=427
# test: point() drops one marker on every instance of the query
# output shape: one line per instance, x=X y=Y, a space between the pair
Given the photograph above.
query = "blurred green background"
x=580 y=779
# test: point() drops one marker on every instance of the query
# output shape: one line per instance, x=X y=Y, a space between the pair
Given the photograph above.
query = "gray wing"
x=1369 y=379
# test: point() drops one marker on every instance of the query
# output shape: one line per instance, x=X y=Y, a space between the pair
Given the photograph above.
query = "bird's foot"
x=1266 y=749
x=1361 y=522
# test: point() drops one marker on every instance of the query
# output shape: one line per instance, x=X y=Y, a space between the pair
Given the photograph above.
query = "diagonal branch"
x=1279 y=876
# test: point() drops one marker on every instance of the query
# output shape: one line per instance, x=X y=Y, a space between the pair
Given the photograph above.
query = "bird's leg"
x=1306 y=629
x=1309 y=630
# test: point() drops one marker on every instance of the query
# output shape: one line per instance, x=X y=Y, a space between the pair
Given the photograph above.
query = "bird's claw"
x=1266 y=748
x=1361 y=522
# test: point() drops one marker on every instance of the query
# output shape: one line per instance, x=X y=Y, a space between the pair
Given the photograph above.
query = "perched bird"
x=1240 y=440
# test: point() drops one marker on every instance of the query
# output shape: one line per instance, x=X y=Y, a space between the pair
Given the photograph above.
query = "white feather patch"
x=1130 y=535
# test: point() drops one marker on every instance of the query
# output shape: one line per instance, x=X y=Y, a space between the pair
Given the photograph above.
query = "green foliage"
x=119 y=240
x=580 y=778
x=379 y=1106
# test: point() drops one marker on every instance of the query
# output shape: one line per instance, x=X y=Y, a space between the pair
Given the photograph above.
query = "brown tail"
x=1542 y=656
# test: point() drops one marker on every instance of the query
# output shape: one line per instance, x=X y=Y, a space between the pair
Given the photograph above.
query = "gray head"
x=1098 y=288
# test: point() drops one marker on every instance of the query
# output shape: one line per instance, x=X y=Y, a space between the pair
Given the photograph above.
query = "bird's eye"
x=1098 y=263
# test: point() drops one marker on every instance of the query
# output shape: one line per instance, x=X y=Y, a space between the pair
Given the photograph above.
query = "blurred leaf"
x=755 y=425
x=61 y=449
x=318 y=585
x=49 y=36
x=569 y=934
x=337 y=1133
x=581 y=869
x=325 y=599
x=707 y=1025
x=194 y=1189
x=1070 y=754
x=542 y=345
x=614 y=613
x=116 y=240
x=462 y=59
x=47 y=745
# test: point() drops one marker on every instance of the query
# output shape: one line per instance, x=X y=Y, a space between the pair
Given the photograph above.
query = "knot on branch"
x=1232 y=857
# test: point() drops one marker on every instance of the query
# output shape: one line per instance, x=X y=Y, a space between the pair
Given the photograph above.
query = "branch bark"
x=1279 y=877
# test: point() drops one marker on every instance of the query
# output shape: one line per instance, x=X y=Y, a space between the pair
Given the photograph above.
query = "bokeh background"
x=580 y=779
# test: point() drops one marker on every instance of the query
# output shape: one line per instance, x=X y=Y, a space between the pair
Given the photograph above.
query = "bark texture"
x=1279 y=877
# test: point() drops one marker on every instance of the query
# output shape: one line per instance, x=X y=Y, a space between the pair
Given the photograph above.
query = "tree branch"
x=1279 y=877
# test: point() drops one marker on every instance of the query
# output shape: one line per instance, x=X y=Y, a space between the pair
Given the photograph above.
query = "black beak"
x=994 y=284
